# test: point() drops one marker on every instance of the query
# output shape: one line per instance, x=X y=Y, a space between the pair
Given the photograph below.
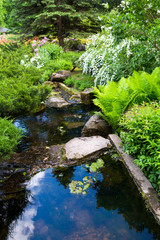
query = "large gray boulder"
x=86 y=147
x=96 y=126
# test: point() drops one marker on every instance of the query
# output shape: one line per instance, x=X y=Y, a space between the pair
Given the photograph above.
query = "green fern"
x=116 y=98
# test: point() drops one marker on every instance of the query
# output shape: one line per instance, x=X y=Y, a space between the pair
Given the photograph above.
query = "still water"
x=54 y=126
x=110 y=207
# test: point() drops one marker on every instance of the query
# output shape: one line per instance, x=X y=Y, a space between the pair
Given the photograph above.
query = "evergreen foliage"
x=58 y=17
x=9 y=137
x=115 y=98
x=20 y=88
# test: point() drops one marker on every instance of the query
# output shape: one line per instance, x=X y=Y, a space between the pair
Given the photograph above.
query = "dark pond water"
x=54 y=126
x=112 y=208
x=109 y=208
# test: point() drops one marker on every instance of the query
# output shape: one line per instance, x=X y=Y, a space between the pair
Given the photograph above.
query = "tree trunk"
x=60 y=31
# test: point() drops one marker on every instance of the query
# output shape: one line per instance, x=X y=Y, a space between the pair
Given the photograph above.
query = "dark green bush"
x=9 y=138
x=20 y=87
x=72 y=56
x=54 y=66
x=64 y=61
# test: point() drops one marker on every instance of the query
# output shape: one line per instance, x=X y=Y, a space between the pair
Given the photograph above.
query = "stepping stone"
x=86 y=147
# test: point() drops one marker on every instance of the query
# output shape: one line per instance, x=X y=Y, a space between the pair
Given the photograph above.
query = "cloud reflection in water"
x=23 y=228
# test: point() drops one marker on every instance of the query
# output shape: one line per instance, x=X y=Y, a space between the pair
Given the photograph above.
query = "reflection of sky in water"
x=24 y=227
x=20 y=124
x=56 y=214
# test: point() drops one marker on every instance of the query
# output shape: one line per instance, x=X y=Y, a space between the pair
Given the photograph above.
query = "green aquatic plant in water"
x=80 y=187
x=96 y=165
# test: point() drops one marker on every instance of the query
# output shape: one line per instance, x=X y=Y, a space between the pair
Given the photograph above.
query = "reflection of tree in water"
x=11 y=210
x=117 y=191
x=64 y=175
x=42 y=129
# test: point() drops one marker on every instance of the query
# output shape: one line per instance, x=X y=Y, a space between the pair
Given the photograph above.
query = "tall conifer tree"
x=58 y=16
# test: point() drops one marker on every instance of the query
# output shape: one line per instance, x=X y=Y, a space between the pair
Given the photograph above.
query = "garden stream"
x=108 y=207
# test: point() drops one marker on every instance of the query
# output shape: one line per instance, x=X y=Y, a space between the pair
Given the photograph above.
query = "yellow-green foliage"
x=140 y=134
x=115 y=98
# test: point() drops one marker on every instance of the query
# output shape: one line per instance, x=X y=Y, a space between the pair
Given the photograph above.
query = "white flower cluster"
x=38 y=60
x=124 y=4
x=34 y=61
x=147 y=4
x=103 y=59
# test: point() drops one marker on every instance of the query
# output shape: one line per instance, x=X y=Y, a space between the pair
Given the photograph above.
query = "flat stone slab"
x=148 y=192
x=56 y=102
x=86 y=147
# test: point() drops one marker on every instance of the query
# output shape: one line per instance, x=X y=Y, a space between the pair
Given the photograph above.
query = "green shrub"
x=79 y=81
x=51 y=50
x=140 y=135
x=115 y=98
x=54 y=66
x=9 y=137
x=65 y=61
x=20 y=87
x=21 y=97
x=72 y=56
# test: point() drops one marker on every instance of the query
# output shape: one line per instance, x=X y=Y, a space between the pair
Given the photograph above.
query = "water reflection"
x=111 y=209
x=118 y=192
x=44 y=129
x=64 y=175
x=23 y=227
x=11 y=210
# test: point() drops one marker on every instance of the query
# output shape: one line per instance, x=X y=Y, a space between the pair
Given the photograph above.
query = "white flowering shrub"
x=147 y=5
x=36 y=60
x=107 y=61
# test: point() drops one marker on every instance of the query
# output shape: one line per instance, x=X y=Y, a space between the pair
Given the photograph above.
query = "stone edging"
x=148 y=193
